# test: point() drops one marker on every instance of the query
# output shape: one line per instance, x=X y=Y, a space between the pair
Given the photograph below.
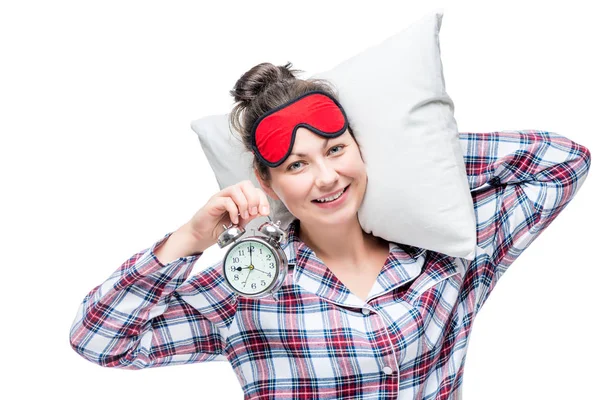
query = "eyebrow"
x=304 y=155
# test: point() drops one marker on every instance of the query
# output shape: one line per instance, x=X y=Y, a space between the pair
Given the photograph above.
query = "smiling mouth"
x=343 y=191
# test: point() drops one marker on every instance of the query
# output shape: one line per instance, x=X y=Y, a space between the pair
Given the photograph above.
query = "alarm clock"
x=254 y=266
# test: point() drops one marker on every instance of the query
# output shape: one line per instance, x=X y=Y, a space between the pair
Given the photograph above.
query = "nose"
x=326 y=175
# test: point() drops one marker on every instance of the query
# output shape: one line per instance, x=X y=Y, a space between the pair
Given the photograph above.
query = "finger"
x=264 y=202
x=231 y=208
x=235 y=193
x=252 y=197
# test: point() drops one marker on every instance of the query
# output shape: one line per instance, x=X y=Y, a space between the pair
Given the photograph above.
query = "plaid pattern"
x=316 y=339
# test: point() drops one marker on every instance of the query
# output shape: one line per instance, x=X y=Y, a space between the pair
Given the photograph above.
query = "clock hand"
x=260 y=270
x=247 y=278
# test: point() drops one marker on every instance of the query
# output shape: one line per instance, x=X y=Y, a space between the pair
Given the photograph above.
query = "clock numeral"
x=232 y=268
x=253 y=286
x=263 y=283
x=236 y=259
x=236 y=277
x=268 y=256
x=269 y=274
x=272 y=265
x=242 y=253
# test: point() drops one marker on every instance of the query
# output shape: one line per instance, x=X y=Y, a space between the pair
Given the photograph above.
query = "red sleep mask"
x=274 y=133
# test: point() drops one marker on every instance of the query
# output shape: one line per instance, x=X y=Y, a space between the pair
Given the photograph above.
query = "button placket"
x=388 y=361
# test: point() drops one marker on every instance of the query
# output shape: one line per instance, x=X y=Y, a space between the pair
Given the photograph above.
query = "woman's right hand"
x=234 y=204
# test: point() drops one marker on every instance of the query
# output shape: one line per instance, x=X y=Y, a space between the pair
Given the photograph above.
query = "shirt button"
x=366 y=311
x=387 y=370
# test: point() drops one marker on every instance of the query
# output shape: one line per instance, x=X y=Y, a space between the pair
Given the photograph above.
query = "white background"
x=99 y=161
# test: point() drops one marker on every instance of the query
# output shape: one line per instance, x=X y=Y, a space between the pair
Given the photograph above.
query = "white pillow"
x=395 y=100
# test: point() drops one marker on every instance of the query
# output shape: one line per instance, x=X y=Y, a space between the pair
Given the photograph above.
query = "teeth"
x=331 y=198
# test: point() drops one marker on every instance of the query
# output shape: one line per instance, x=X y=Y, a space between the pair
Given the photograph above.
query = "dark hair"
x=263 y=88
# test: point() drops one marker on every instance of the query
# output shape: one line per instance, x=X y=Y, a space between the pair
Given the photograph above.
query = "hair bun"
x=257 y=80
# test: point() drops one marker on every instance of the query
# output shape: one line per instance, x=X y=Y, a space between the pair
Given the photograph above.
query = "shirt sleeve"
x=520 y=181
x=138 y=319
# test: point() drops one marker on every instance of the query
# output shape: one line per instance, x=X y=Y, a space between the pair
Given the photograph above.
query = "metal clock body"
x=254 y=266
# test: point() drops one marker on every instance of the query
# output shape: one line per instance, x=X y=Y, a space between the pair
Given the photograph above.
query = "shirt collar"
x=404 y=264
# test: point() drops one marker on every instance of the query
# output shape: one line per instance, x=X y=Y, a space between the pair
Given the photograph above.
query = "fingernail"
x=254 y=210
x=264 y=209
x=246 y=214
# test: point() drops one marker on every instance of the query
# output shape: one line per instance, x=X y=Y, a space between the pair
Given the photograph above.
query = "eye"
x=289 y=168
x=341 y=146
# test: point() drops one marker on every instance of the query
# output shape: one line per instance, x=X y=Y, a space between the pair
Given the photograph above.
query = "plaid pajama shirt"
x=316 y=339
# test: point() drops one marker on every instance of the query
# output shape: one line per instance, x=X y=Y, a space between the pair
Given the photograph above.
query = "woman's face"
x=317 y=167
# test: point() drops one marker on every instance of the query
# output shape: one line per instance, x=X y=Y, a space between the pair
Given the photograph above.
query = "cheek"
x=357 y=167
x=356 y=158
x=296 y=188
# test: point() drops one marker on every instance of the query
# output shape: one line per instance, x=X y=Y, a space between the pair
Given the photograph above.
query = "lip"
x=336 y=202
x=331 y=194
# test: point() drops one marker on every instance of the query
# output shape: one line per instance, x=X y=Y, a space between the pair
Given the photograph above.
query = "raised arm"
x=520 y=181
x=142 y=316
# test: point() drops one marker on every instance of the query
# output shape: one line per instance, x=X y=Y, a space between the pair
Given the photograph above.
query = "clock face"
x=250 y=267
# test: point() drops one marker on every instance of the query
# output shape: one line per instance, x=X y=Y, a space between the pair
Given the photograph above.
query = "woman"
x=357 y=317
